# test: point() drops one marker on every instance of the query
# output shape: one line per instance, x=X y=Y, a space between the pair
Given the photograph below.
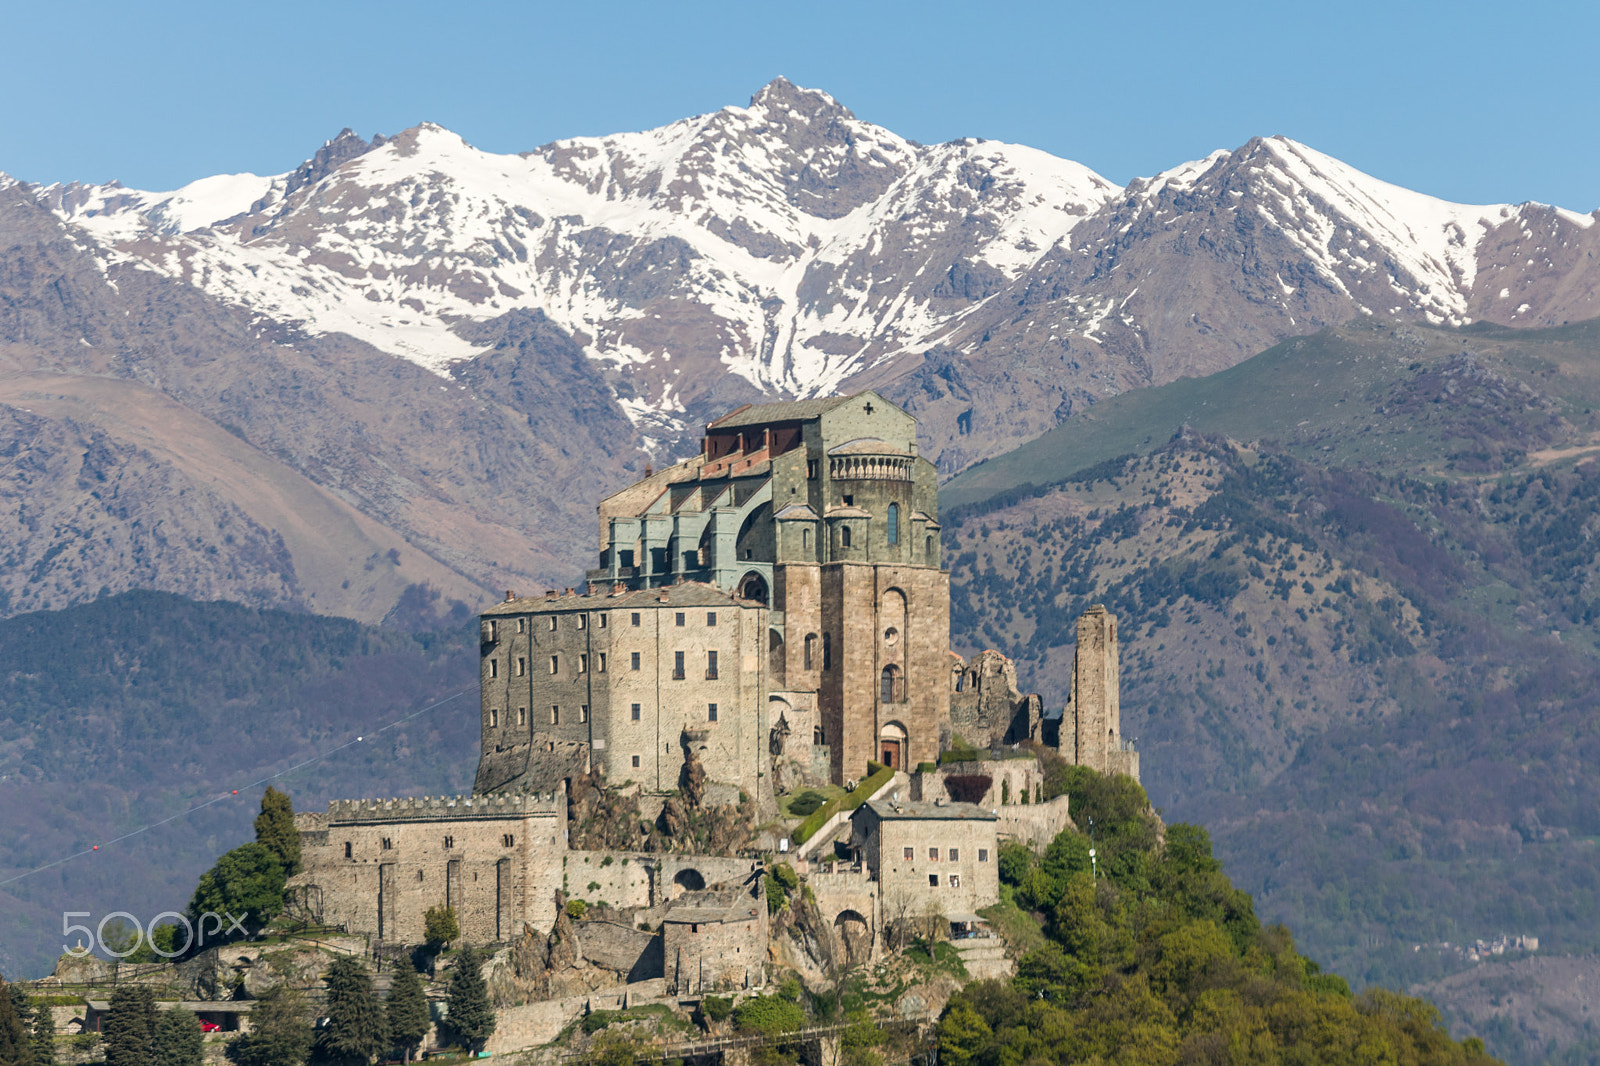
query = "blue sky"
x=1469 y=101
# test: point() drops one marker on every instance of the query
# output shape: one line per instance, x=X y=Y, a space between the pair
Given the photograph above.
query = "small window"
x=805 y=540
x=910 y=854
x=520 y=624
x=583 y=663
x=827 y=651
x=818 y=736
x=711 y=712
x=711 y=618
x=955 y=880
x=927 y=546
x=677 y=665
x=508 y=840
x=555 y=714
x=522 y=666
x=555 y=664
x=600 y=667
x=983 y=854
x=494 y=667
x=634 y=712
x=449 y=842
x=494 y=718
x=811 y=470
x=347 y=850
x=522 y=716
x=680 y=618
x=552 y=623
x=387 y=843
x=933 y=880
x=711 y=666
x=636 y=762
x=635 y=617
x=933 y=854
x=955 y=854
x=811 y=651
x=583 y=621
x=849 y=501
x=844 y=536
x=892 y=526
x=583 y=712
x=635 y=660
x=603 y=619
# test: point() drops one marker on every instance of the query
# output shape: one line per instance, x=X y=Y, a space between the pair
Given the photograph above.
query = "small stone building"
x=715 y=940
x=928 y=859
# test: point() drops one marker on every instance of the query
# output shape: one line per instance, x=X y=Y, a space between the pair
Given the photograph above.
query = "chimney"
x=510 y=595
x=649 y=470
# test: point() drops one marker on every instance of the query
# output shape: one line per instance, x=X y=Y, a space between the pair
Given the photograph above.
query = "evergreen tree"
x=275 y=830
x=246 y=882
x=280 y=1031
x=355 y=1031
x=471 y=1015
x=178 y=1038
x=44 y=1036
x=130 y=1027
x=14 y=1046
x=406 y=1010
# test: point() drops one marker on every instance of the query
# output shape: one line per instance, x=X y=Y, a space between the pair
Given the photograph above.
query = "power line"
x=242 y=788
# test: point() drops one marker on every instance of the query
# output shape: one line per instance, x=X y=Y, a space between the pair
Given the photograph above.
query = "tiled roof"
x=686 y=594
x=947 y=812
x=793 y=411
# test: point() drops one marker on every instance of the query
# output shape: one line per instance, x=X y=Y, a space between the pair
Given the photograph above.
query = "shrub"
x=576 y=909
x=770 y=1015
x=968 y=788
x=806 y=803
x=716 y=1008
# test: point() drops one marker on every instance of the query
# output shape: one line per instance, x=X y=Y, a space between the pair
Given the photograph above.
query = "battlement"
x=447 y=808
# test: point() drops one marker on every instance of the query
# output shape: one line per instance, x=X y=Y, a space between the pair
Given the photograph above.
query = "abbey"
x=770 y=613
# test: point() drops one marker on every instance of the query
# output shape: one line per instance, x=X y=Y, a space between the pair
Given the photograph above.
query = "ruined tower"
x=1094 y=710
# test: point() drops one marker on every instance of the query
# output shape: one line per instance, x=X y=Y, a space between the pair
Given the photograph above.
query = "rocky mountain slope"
x=469 y=348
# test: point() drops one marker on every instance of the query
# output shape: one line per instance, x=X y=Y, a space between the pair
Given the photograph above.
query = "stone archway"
x=894 y=746
x=855 y=936
x=689 y=879
x=753 y=586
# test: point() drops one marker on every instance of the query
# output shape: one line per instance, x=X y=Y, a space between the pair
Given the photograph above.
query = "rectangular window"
x=811 y=470
x=520 y=622
x=955 y=880
x=494 y=667
x=583 y=712
x=494 y=631
x=955 y=854
x=711 y=618
x=508 y=840
x=522 y=666
x=555 y=714
x=680 y=618
x=603 y=619
x=636 y=762
x=600 y=667
x=583 y=621
x=711 y=711
x=677 y=665
x=522 y=716
x=933 y=880
x=449 y=842
x=635 y=617
x=387 y=844
x=634 y=712
x=635 y=660
x=983 y=854
x=933 y=854
x=494 y=718
x=910 y=854
x=347 y=850
x=552 y=623
x=555 y=664
x=827 y=651
x=711 y=666
x=583 y=664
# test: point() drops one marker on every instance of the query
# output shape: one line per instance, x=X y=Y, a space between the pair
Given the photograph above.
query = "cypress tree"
x=130 y=1027
x=275 y=829
x=178 y=1038
x=471 y=1015
x=15 y=1049
x=406 y=1010
x=44 y=1036
x=355 y=1031
x=280 y=1032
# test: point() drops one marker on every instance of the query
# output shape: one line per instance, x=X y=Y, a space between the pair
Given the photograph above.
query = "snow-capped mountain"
x=468 y=348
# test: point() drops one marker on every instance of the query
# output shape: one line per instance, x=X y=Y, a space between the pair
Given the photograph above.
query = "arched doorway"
x=892 y=743
x=855 y=934
x=754 y=587
x=689 y=879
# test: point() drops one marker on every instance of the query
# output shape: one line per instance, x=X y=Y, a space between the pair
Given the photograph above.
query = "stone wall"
x=1012 y=782
x=986 y=707
x=1035 y=825
x=716 y=940
x=909 y=854
x=1094 y=708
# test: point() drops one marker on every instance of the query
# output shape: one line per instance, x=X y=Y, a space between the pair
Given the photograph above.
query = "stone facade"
x=986 y=707
x=1093 y=717
x=716 y=940
x=822 y=510
x=623 y=677
x=378 y=865
x=929 y=858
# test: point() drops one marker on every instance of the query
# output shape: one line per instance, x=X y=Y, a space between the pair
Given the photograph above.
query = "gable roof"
x=792 y=411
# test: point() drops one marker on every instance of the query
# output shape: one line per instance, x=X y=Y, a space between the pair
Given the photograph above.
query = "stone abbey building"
x=773 y=611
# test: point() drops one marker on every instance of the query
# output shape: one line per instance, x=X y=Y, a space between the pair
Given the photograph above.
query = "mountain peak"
x=780 y=95
x=334 y=153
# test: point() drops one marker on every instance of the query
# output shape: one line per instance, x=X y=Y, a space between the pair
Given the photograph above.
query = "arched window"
x=805 y=539
x=827 y=651
x=927 y=546
x=844 y=536
x=894 y=523
x=811 y=651
x=817 y=737
x=892 y=688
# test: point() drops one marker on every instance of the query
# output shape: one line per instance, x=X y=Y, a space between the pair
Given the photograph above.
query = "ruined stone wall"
x=376 y=866
x=623 y=881
x=1012 y=782
x=986 y=706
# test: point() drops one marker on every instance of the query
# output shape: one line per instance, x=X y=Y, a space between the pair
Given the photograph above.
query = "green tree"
x=246 y=882
x=44 y=1036
x=275 y=830
x=178 y=1039
x=471 y=1016
x=355 y=1031
x=963 y=1034
x=15 y=1048
x=130 y=1027
x=770 y=1015
x=280 y=1031
x=439 y=925
x=406 y=1011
